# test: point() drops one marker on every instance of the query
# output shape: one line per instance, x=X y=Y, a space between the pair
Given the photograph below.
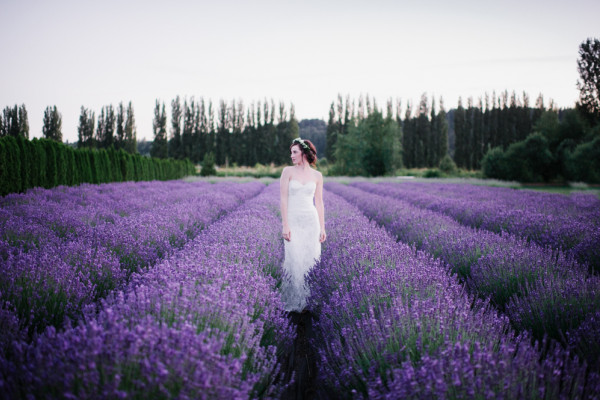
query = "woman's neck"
x=304 y=166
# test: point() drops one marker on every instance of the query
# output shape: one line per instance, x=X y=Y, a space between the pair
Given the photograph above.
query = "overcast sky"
x=92 y=53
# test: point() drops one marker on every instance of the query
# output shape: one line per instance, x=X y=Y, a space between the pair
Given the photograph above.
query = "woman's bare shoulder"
x=286 y=172
x=318 y=175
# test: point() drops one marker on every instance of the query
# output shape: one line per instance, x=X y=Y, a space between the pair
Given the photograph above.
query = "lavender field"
x=423 y=290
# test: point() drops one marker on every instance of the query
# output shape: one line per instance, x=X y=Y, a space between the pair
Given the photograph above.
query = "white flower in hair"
x=302 y=143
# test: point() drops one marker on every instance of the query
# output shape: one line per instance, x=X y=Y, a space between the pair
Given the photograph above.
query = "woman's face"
x=296 y=155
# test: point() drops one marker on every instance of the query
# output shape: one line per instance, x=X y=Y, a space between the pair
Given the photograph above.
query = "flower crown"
x=301 y=142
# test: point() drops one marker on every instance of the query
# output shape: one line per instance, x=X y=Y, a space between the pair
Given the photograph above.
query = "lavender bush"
x=204 y=323
x=514 y=274
x=67 y=247
x=392 y=323
x=570 y=223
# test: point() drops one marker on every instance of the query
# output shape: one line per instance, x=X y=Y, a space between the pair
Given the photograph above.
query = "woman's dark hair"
x=307 y=148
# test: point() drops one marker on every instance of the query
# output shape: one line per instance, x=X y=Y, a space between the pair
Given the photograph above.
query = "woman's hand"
x=287 y=234
x=322 y=236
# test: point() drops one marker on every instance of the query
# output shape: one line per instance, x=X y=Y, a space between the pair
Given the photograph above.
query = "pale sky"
x=92 y=53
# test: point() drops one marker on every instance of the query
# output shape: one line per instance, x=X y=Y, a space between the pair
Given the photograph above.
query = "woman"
x=303 y=222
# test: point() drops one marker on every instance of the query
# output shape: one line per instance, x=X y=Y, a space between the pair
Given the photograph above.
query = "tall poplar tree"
x=408 y=137
x=85 y=129
x=52 y=128
x=222 y=139
x=130 y=140
x=15 y=122
x=187 y=132
x=331 y=135
x=159 y=147
x=459 y=136
x=175 y=140
x=422 y=133
x=119 y=141
x=106 y=127
x=442 y=133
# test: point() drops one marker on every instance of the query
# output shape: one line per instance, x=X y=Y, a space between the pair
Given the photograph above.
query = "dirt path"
x=301 y=359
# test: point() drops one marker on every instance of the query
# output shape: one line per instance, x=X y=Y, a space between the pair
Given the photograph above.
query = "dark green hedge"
x=27 y=163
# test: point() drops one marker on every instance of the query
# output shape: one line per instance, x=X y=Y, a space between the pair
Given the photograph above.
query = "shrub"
x=447 y=165
x=584 y=163
x=494 y=165
x=208 y=165
x=432 y=173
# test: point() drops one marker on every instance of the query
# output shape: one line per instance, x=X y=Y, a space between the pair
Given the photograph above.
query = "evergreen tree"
x=293 y=131
x=119 y=139
x=204 y=131
x=210 y=132
x=222 y=139
x=187 y=132
x=52 y=128
x=441 y=134
x=408 y=138
x=159 y=127
x=23 y=122
x=460 y=157
x=105 y=132
x=422 y=133
x=175 y=145
x=130 y=140
x=432 y=143
x=85 y=129
x=477 y=135
x=331 y=135
x=14 y=122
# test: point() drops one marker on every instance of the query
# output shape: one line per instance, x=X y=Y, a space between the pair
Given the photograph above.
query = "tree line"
x=47 y=163
x=232 y=133
x=562 y=144
x=115 y=128
x=359 y=132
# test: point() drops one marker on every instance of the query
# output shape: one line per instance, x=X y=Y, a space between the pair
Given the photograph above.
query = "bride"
x=303 y=221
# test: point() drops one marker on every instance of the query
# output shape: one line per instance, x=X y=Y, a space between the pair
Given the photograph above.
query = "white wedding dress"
x=304 y=248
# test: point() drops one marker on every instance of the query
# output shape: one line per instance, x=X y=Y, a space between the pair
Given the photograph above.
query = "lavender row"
x=575 y=204
x=392 y=323
x=204 y=323
x=76 y=247
x=570 y=223
x=542 y=291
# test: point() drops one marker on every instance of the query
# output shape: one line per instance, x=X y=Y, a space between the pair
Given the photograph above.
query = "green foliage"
x=14 y=122
x=447 y=165
x=314 y=130
x=588 y=67
x=433 y=173
x=26 y=164
x=5 y=178
x=494 y=164
x=526 y=161
x=208 y=165
x=584 y=163
x=85 y=129
x=549 y=126
x=370 y=148
x=159 y=126
x=52 y=128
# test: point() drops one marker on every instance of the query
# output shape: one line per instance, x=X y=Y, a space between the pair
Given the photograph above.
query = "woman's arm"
x=320 y=208
x=284 y=181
